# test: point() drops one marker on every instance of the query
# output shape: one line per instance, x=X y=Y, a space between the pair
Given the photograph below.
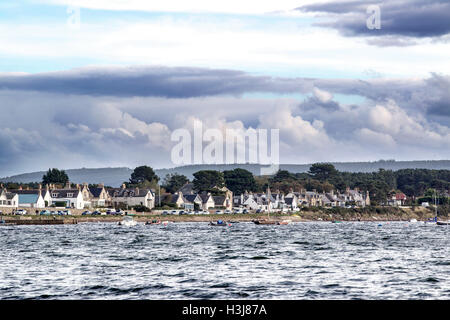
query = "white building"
x=132 y=197
x=9 y=199
x=30 y=198
x=72 y=198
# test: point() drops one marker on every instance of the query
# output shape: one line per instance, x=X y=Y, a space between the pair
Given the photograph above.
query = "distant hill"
x=116 y=176
x=109 y=176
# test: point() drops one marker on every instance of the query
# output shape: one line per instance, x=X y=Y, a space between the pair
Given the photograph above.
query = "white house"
x=207 y=201
x=9 y=199
x=30 y=198
x=71 y=197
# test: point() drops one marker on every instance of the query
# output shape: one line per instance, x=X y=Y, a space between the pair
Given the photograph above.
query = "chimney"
x=78 y=186
x=357 y=189
x=20 y=188
x=123 y=186
x=347 y=190
x=40 y=186
x=67 y=185
x=101 y=185
x=291 y=190
x=28 y=187
x=136 y=190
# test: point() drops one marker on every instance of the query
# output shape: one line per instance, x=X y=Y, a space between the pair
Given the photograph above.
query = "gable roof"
x=219 y=199
x=63 y=193
x=96 y=192
x=192 y=197
x=188 y=188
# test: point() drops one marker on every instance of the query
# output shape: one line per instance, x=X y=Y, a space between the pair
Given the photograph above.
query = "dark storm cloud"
x=149 y=81
x=428 y=96
x=401 y=18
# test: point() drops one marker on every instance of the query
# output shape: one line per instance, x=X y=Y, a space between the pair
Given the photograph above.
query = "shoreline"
x=302 y=217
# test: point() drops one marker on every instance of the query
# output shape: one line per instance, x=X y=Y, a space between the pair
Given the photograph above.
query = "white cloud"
x=229 y=6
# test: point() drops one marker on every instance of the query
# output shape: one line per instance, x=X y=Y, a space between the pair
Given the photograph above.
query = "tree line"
x=322 y=177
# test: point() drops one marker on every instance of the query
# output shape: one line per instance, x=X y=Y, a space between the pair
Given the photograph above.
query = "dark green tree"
x=173 y=182
x=282 y=175
x=239 y=180
x=55 y=176
x=323 y=171
x=143 y=174
x=207 y=180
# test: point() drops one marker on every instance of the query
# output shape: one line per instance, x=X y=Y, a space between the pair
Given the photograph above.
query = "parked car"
x=96 y=213
x=67 y=212
x=218 y=212
x=245 y=211
x=21 y=212
x=175 y=212
x=44 y=213
x=165 y=213
x=86 y=213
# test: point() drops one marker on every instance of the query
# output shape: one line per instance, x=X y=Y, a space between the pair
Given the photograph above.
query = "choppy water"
x=246 y=261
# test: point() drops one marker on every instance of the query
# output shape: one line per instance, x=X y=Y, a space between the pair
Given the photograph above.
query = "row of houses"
x=294 y=200
x=83 y=196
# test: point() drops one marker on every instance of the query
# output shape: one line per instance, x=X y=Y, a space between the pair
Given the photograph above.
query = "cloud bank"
x=402 y=21
x=100 y=117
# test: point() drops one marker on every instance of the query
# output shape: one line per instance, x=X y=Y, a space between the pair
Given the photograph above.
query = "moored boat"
x=153 y=222
x=219 y=223
x=263 y=221
x=443 y=223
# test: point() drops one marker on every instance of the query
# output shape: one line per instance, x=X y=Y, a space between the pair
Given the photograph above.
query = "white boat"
x=128 y=222
x=413 y=220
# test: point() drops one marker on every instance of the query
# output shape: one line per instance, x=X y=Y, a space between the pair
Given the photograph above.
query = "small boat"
x=336 y=221
x=413 y=220
x=128 y=222
x=285 y=222
x=443 y=223
x=263 y=221
x=219 y=223
x=153 y=222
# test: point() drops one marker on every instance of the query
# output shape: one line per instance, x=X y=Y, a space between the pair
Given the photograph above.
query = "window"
x=54 y=195
x=70 y=195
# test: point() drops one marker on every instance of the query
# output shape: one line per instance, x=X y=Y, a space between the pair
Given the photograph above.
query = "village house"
x=96 y=197
x=356 y=197
x=207 y=201
x=132 y=197
x=246 y=200
x=9 y=199
x=67 y=197
x=397 y=199
x=192 y=200
x=30 y=198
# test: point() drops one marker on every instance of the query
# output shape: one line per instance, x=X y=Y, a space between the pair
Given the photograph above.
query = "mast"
x=435 y=205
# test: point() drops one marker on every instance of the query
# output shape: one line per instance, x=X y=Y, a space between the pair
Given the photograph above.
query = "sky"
x=104 y=83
